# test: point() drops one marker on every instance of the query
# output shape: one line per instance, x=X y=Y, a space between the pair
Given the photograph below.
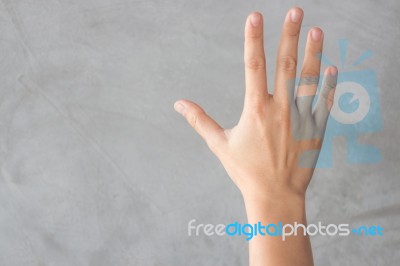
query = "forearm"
x=273 y=250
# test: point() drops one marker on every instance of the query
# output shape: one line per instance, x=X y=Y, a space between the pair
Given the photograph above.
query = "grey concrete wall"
x=97 y=168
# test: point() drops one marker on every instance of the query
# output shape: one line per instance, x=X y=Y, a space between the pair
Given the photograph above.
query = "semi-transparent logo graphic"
x=355 y=112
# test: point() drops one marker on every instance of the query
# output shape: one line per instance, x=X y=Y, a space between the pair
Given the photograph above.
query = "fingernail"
x=295 y=16
x=316 y=34
x=255 y=19
x=332 y=71
x=179 y=107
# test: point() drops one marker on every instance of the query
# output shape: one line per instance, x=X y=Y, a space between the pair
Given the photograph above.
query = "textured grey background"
x=97 y=168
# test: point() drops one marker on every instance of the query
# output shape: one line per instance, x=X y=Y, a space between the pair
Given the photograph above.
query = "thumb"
x=205 y=126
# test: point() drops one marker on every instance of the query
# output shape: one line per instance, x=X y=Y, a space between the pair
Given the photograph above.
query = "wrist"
x=276 y=192
x=282 y=206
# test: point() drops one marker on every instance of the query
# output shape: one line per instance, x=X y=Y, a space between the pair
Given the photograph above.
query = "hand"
x=266 y=153
x=272 y=151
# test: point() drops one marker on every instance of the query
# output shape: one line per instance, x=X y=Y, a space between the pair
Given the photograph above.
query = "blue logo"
x=355 y=111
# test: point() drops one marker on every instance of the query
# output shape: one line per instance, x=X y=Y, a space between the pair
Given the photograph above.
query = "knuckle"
x=310 y=75
x=294 y=33
x=255 y=63
x=254 y=36
x=193 y=118
x=287 y=63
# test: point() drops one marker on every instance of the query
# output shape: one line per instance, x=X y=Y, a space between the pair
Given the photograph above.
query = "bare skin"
x=261 y=153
